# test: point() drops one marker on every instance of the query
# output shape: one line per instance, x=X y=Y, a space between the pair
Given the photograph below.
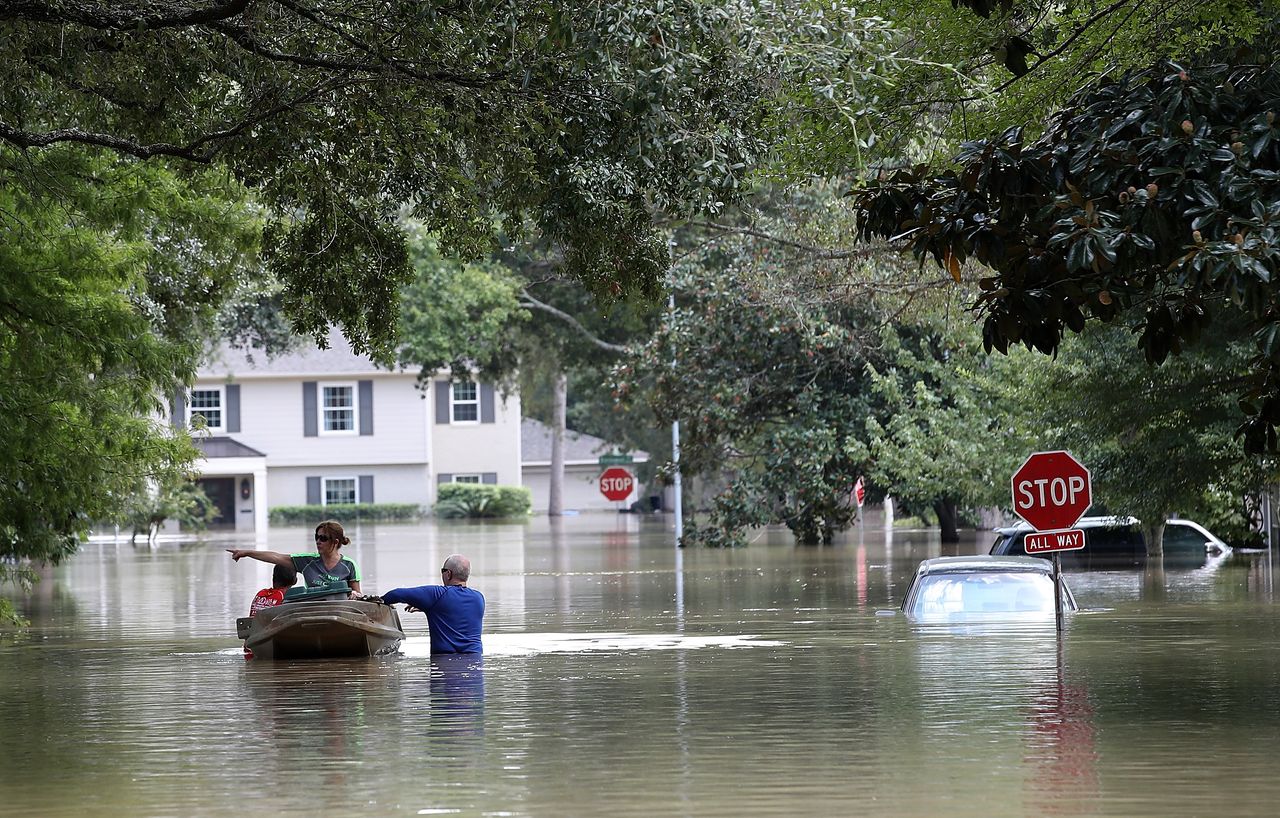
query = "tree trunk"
x=559 y=410
x=1154 y=584
x=1154 y=537
x=946 y=511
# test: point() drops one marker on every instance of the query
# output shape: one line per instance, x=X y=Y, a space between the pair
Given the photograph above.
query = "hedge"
x=478 y=500
x=365 y=512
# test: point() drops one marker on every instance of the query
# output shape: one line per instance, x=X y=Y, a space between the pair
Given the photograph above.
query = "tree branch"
x=191 y=151
x=529 y=302
x=144 y=16
x=823 y=253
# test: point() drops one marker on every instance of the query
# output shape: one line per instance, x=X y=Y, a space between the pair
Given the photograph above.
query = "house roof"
x=535 y=445
x=306 y=359
x=224 y=447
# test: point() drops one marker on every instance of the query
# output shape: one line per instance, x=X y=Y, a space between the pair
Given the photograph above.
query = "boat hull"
x=322 y=630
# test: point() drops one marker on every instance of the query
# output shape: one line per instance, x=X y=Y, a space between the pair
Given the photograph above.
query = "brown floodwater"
x=624 y=678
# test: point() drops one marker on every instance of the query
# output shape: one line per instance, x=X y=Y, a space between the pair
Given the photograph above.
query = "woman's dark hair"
x=333 y=529
x=283 y=577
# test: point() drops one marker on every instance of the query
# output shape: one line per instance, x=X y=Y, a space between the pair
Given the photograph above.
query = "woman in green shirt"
x=320 y=567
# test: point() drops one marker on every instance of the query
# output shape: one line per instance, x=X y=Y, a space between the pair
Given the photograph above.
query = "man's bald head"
x=458 y=566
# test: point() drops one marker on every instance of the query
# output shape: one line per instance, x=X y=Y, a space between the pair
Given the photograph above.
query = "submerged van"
x=1117 y=542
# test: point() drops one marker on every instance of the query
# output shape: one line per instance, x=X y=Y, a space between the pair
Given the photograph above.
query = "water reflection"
x=1061 y=751
x=457 y=695
x=622 y=676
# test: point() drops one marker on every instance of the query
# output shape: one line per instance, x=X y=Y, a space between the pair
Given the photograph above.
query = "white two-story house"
x=325 y=427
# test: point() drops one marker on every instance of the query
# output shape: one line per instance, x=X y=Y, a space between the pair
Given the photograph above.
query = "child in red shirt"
x=282 y=579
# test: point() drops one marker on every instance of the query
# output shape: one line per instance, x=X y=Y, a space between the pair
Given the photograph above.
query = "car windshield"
x=983 y=593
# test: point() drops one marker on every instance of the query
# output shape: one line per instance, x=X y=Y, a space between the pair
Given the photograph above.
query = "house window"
x=466 y=478
x=207 y=403
x=338 y=409
x=464 y=403
x=339 y=491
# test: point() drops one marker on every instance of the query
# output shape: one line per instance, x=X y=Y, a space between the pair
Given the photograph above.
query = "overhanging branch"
x=111 y=15
x=529 y=302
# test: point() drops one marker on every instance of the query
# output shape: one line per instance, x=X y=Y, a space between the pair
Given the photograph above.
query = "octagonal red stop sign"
x=1051 y=490
x=616 y=483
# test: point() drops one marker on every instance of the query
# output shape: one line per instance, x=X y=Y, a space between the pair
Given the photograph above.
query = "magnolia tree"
x=1153 y=197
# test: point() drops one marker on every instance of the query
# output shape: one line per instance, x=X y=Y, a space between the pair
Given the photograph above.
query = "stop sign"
x=616 y=483
x=1051 y=490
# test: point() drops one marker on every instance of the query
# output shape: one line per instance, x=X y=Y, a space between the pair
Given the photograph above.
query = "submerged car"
x=1117 y=542
x=983 y=588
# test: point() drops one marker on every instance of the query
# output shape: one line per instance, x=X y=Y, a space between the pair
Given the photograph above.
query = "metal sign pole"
x=1057 y=590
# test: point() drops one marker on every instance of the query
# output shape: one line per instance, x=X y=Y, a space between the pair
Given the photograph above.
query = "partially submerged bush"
x=366 y=512
x=476 y=500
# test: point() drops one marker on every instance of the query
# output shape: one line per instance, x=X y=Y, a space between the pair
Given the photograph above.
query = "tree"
x=1154 y=194
x=981 y=66
x=111 y=275
x=1158 y=441
x=941 y=434
x=783 y=360
x=583 y=121
x=757 y=402
x=175 y=497
x=514 y=318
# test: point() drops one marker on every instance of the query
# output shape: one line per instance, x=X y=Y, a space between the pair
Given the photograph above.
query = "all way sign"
x=1042 y=542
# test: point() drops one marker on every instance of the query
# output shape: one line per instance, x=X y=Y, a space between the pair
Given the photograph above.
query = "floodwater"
x=624 y=678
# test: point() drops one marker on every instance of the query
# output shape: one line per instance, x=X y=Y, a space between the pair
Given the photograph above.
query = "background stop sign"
x=616 y=483
x=1051 y=490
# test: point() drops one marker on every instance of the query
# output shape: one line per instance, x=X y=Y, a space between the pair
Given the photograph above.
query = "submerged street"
x=622 y=677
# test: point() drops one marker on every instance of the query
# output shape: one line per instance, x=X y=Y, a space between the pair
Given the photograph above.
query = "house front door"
x=221 y=492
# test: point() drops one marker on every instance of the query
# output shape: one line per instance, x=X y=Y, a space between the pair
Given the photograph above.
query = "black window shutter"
x=442 y=401
x=489 y=478
x=179 y=405
x=366 y=409
x=486 y=403
x=309 y=409
x=313 y=491
x=365 y=494
x=233 y=408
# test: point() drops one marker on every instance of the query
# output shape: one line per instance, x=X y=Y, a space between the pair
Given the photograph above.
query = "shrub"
x=476 y=500
x=366 y=512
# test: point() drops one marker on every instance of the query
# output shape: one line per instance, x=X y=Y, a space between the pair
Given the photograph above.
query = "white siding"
x=480 y=447
x=391 y=484
x=271 y=421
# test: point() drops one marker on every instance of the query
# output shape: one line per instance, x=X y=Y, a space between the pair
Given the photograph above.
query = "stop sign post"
x=616 y=483
x=1052 y=491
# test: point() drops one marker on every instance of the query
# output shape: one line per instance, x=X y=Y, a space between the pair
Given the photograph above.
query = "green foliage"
x=476 y=500
x=777 y=355
x=941 y=431
x=1158 y=441
x=457 y=316
x=111 y=270
x=581 y=120
x=364 y=512
x=981 y=66
x=174 y=497
x=1154 y=195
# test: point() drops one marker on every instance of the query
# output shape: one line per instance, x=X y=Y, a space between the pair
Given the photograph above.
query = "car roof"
x=984 y=562
x=1114 y=521
x=1111 y=521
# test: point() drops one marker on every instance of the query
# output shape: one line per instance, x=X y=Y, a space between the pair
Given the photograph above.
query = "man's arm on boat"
x=422 y=597
x=273 y=557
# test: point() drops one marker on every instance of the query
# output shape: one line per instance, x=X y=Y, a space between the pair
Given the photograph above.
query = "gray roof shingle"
x=535 y=444
x=308 y=359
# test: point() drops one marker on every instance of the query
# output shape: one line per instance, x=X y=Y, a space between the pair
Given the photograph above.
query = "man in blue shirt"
x=454 y=611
